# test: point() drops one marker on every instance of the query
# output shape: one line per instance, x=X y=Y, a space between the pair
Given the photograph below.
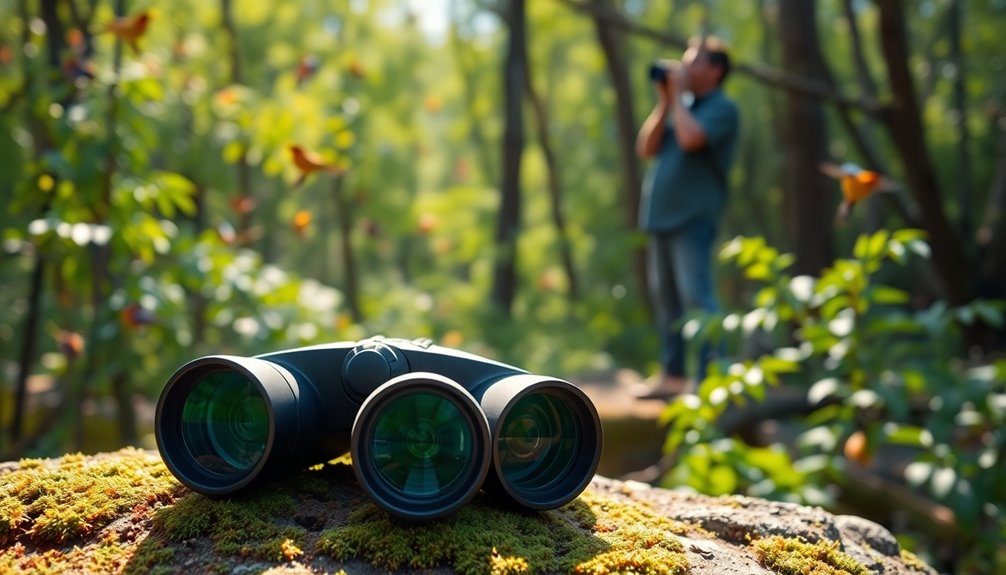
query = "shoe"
x=668 y=387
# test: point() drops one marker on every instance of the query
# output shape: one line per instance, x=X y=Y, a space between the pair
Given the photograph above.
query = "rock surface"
x=123 y=512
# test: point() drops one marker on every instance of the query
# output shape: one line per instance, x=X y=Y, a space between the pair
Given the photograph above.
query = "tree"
x=508 y=219
x=809 y=200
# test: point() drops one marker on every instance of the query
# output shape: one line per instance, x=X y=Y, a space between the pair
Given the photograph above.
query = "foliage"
x=880 y=374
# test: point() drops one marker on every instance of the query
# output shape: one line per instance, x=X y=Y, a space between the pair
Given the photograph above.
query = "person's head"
x=707 y=63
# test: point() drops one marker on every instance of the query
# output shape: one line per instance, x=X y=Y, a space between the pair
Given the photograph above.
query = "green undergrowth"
x=794 y=556
x=590 y=535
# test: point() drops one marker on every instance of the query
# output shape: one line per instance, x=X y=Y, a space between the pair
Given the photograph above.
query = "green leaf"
x=908 y=235
x=862 y=247
x=920 y=247
x=233 y=151
x=990 y=313
x=887 y=295
x=877 y=243
x=774 y=364
x=758 y=271
x=722 y=480
x=907 y=435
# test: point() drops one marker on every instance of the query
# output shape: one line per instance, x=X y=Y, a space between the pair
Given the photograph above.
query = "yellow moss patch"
x=70 y=498
x=913 y=562
x=792 y=556
x=593 y=535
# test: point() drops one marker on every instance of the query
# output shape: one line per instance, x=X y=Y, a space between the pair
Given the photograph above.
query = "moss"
x=244 y=527
x=152 y=557
x=73 y=497
x=913 y=562
x=794 y=556
x=586 y=536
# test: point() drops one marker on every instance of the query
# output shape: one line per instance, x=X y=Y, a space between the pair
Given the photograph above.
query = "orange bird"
x=133 y=316
x=129 y=29
x=301 y=220
x=308 y=163
x=857 y=185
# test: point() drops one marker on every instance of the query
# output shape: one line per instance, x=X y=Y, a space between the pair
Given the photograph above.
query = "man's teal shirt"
x=681 y=185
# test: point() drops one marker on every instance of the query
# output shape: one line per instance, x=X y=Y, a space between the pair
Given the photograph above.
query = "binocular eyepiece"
x=428 y=426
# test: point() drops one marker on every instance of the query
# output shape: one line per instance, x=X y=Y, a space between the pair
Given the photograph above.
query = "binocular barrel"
x=428 y=426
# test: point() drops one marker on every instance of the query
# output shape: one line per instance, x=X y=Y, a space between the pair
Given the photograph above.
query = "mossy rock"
x=123 y=512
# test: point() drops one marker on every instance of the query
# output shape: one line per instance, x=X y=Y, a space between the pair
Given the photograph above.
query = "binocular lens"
x=219 y=417
x=546 y=439
x=420 y=446
x=225 y=423
x=538 y=442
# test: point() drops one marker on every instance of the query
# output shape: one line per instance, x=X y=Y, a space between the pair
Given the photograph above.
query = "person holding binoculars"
x=691 y=134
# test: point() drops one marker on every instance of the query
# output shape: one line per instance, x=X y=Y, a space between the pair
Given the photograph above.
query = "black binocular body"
x=658 y=72
x=428 y=426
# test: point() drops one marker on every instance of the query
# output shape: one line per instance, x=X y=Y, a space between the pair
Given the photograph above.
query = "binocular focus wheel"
x=420 y=446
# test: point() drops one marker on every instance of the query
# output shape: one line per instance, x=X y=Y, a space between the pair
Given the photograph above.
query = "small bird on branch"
x=129 y=29
x=857 y=185
x=309 y=162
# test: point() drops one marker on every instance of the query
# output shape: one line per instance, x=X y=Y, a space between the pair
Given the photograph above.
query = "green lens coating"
x=225 y=423
x=421 y=444
x=538 y=442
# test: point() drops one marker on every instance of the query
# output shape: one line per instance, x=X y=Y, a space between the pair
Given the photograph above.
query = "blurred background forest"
x=481 y=188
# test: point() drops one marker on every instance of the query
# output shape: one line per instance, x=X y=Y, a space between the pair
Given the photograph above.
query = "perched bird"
x=134 y=316
x=301 y=220
x=307 y=66
x=857 y=185
x=129 y=29
x=308 y=163
x=71 y=344
x=77 y=71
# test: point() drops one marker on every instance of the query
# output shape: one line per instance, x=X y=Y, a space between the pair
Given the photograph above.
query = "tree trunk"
x=554 y=188
x=992 y=236
x=811 y=198
x=904 y=122
x=508 y=223
x=611 y=44
x=40 y=137
x=344 y=215
x=244 y=186
x=964 y=182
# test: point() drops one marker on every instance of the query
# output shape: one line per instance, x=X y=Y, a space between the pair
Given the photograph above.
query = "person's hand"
x=676 y=80
x=664 y=90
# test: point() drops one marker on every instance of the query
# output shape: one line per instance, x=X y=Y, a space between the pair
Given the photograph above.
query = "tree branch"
x=766 y=74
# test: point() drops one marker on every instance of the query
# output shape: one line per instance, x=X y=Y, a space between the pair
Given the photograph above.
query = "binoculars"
x=428 y=426
x=658 y=72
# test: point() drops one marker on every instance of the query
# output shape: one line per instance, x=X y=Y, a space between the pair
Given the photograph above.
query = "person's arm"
x=688 y=131
x=652 y=133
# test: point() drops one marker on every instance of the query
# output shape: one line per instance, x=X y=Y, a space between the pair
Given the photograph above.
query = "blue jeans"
x=681 y=281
